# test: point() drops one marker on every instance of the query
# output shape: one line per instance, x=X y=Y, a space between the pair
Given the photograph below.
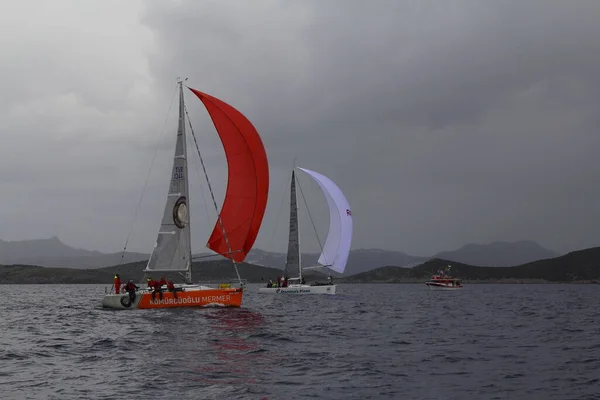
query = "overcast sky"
x=444 y=122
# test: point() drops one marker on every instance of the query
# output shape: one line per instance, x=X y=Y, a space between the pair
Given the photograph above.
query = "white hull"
x=437 y=286
x=121 y=301
x=299 y=289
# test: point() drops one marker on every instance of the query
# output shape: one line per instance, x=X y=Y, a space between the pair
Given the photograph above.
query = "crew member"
x=171 y=288
x=117 y=282
x=131 y=287
x=157 y=289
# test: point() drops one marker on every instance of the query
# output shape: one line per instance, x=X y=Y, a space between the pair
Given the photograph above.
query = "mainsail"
x=247 y=182
x=339 y=238
x=172 y=251
x=292 y=265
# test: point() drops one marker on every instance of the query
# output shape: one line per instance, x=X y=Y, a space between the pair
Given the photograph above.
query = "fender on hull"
x=188 y=298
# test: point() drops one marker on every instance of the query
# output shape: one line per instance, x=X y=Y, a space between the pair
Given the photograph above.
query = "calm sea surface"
x=370 y=341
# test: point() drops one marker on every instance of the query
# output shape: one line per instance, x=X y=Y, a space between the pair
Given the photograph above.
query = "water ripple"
x=375 y=341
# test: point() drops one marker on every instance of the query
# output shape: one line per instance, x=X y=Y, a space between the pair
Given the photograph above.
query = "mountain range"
x=578 y=266
x=54 y=253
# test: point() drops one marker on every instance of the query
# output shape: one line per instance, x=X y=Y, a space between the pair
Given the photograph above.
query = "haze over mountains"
x=53 y=253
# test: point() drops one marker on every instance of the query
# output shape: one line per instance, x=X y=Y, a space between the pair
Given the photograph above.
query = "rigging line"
x=310 y=216
x=212 y=194
x=137 y=208
x=202 y=189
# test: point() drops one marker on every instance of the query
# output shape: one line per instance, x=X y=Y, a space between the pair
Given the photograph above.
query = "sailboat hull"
x=299 y=289
x=202 y=296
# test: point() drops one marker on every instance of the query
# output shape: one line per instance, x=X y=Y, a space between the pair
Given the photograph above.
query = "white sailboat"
x=237 y=224
x=334 y=254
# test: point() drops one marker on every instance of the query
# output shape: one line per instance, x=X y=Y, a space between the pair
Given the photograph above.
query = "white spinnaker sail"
x=339 y=238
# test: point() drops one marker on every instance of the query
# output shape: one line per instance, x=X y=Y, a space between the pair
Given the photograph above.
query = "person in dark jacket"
x=131 y=287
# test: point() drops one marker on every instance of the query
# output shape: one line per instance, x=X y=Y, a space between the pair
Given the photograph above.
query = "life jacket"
x=170 y=285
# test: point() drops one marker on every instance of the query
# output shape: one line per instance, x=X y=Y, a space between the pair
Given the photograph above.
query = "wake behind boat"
x=443 y=281
x=334 y=254
x=237 y=224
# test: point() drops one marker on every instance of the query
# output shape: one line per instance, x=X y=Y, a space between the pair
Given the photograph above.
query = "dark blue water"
x=370 y=341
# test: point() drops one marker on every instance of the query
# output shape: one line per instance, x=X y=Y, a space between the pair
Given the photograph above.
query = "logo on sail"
x=348 y=212
x=180 y=213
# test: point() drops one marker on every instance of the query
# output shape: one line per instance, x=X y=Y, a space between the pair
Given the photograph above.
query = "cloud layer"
x=444 y=123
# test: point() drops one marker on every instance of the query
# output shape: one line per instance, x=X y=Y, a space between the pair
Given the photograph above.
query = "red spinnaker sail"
x=247 y=180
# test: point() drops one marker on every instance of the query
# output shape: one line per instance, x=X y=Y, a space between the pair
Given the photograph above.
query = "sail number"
x=178 y=173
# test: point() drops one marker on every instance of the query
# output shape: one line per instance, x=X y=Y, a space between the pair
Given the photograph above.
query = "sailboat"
x=237 y=224
x=334 y=255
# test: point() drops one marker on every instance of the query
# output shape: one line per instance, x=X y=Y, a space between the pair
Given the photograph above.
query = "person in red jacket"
x=117 y=282
x=171 y=288
x=157 y=289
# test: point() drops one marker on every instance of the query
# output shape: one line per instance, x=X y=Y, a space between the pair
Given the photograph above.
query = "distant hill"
x=577 y=266
x=53 y=253
x=216 y=271
x=358 y=261
x=498 y=254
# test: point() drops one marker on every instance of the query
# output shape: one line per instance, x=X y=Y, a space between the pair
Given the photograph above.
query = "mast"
x=188 y=273
x=292 y=264
x=297 y=229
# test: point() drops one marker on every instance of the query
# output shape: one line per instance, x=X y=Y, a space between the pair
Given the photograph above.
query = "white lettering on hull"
x=192 y=300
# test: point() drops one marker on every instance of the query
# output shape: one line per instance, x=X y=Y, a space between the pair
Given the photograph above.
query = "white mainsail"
x=339 y=237
x=172 y=251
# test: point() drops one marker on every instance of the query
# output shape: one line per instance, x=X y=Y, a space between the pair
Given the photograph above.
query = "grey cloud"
x=457 y=119
x=443 y=122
